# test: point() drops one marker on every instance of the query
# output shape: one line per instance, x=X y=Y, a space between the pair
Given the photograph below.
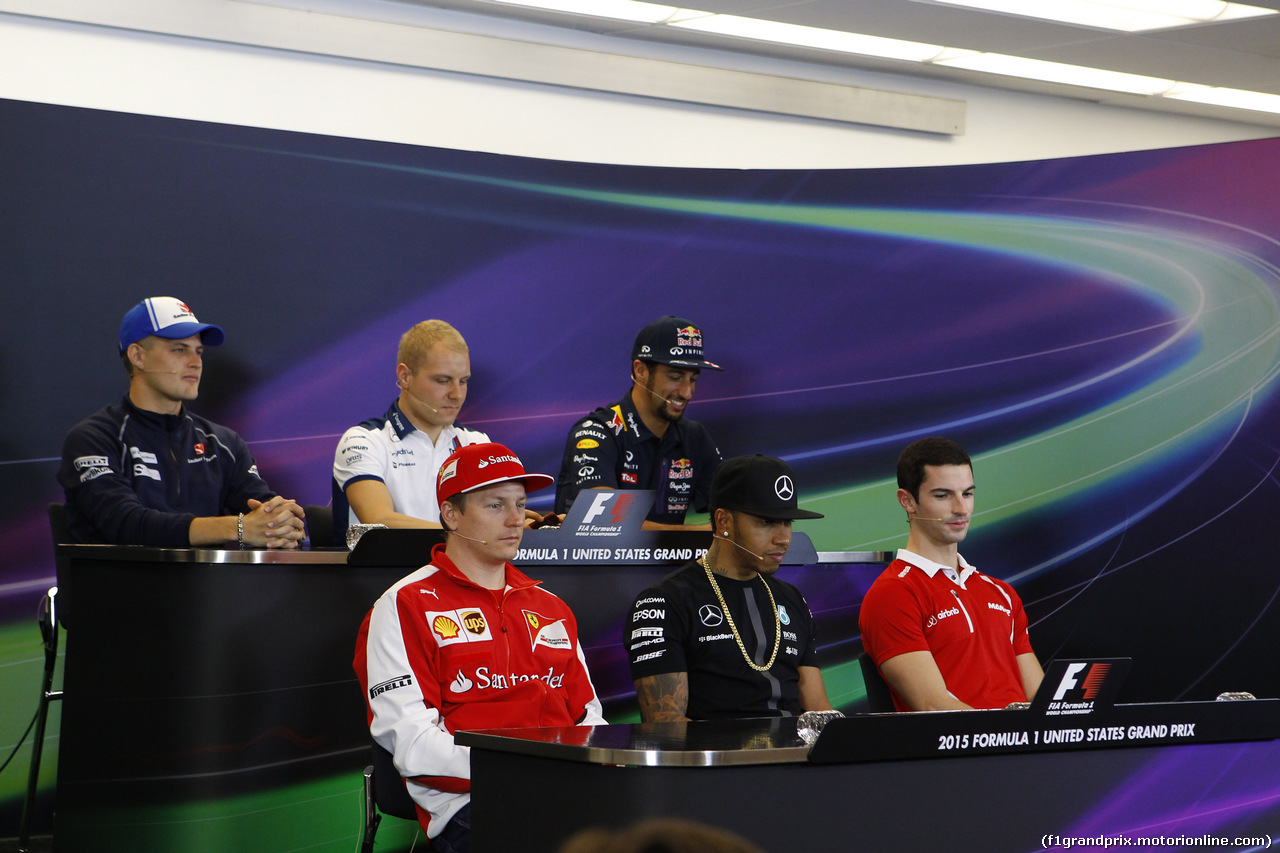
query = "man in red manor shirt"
x=469 y=642
x=944 y=635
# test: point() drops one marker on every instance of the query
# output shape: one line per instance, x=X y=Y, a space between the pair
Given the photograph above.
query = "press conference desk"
x=980 y=780
x=203 y=687
x=210 y=705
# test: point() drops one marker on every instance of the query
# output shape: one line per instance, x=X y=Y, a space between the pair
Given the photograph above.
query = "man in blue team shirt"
x=645 y=441
x=148 y=472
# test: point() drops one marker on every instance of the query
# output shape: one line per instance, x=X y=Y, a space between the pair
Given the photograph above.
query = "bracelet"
x=240 y=530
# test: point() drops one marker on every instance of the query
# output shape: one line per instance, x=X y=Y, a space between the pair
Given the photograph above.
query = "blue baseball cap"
x=165 y=317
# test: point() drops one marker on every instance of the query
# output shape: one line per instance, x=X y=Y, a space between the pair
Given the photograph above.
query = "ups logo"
x=474 y=620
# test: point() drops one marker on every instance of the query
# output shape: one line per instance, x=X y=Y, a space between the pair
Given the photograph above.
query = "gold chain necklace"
x=777 y=620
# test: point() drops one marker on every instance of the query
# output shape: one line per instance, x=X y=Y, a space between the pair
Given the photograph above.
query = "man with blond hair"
x=385 y=468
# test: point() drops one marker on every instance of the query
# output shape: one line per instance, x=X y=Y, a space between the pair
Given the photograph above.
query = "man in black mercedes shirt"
x=722 y=636
x=644 y=440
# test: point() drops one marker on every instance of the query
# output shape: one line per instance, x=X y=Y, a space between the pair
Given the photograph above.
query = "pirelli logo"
x=390 y=684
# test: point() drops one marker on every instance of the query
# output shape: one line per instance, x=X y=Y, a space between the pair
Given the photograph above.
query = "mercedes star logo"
x=710 y=615
x=784 y=488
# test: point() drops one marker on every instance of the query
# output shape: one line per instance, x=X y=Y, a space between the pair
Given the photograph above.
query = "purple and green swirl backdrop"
x=1102 y=333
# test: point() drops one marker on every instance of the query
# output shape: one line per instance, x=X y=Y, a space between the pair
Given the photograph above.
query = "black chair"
x=48 y=619
x=384 y=794
x=58 y=524
x=879 y=699
x=320 y=526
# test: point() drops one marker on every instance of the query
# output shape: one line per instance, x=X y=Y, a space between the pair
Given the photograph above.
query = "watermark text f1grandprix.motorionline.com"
x=1106 y=842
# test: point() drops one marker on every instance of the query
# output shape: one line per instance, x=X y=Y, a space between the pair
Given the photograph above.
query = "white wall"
x=74 y=63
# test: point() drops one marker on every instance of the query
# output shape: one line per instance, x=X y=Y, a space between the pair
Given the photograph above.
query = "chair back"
x=879 y=699
x=320 y=526
x=58 y=524
x=389 y=791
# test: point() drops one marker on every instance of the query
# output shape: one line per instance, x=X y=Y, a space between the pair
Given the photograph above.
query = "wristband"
x=240 y=530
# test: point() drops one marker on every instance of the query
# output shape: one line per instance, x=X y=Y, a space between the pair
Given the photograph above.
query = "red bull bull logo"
x=689 y=336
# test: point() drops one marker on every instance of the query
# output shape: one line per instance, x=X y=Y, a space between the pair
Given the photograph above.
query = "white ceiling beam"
x=323 y=34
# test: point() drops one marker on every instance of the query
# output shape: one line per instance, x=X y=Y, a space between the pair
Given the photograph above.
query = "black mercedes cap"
x=761 y=485
x=672 y=340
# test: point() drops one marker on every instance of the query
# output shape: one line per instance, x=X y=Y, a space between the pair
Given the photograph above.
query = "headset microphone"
x=651 y=391
x=473 y=539
x=404 y=386
x=759 y=557
x=914 y=517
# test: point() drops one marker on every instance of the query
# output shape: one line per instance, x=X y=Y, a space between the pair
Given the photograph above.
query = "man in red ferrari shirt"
x=944 y=635
x=469 y=642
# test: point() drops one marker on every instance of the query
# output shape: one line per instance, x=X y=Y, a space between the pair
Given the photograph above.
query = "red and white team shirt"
x=438 y=653
x=972 y=624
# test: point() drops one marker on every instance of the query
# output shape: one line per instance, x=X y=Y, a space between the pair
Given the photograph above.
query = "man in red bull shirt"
x=644 y=441
x=944 y=635
x=469 y=642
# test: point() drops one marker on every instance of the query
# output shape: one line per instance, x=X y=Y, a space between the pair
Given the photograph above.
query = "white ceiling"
x=1239 y=54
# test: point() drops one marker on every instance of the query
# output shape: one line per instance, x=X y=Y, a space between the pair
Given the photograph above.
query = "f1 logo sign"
x=1068 y=680
x=1091 y=683
x=599 y=504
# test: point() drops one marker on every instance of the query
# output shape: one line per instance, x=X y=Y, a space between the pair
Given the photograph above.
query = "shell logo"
x=445 y=627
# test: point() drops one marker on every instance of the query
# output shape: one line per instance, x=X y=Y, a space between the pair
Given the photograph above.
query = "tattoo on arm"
x=663 y=698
